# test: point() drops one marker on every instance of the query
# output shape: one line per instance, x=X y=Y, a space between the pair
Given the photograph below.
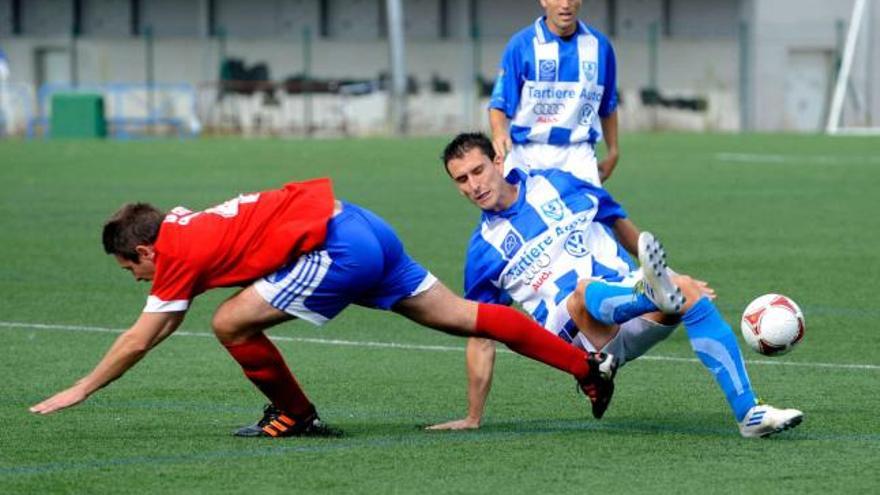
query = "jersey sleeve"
x=173 y=287
x=482 y=266
x=174 y=283
x=506 y=92
x=608 y=105
x=609 y=210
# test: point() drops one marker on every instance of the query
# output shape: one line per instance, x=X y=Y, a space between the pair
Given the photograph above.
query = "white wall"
x=595 y=13
x=47 y=17
x=692 y=63
x=421 y=19
x=634 y=18
x=701 y=19
x=5 y=18
x=502 y=19
x=175 y=17
x=354 y=19
x=110 y=18
x=781 y=31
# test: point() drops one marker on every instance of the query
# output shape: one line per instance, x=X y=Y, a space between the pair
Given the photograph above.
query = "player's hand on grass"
x=459 y=424
x=62 y=400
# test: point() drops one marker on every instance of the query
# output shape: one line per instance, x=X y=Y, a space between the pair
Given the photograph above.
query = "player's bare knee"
x=595 y=331
x=224 y=325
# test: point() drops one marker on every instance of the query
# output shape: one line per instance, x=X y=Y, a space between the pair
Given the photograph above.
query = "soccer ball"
x=772 y=324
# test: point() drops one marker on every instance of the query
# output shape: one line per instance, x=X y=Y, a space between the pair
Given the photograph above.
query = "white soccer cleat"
x=659 y=287
x=764 y=420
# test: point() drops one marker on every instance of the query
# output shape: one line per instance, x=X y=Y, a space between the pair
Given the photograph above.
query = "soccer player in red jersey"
x=299 y=253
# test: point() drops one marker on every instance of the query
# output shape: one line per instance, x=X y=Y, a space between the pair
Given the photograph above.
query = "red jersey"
x=236 y=242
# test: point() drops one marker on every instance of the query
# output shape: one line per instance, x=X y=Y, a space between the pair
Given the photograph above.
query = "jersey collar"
x=512 y=209
x=545 y=35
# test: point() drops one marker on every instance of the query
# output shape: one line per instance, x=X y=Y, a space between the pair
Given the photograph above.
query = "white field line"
x=411 y=347
x=796 y=159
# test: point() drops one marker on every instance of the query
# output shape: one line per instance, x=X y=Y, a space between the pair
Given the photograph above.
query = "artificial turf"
x=751 y=214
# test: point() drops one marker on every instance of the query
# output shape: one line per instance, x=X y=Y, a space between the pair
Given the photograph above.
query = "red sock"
x=523 y=336
x=265 y=367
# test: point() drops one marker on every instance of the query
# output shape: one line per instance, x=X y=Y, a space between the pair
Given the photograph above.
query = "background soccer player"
x=301 y=254
x=541 y=242
x=555 y=99
x=555 y=96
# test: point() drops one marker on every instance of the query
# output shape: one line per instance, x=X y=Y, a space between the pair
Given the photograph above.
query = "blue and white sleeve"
x=506 y=92
x=481 y=267
x=608 y=105
x=609 y=210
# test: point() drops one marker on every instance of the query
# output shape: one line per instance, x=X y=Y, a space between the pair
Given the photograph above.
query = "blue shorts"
x=362 y=262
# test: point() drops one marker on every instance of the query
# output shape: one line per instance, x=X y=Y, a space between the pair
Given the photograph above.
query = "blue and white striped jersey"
x=555 y=90
x=535 y=252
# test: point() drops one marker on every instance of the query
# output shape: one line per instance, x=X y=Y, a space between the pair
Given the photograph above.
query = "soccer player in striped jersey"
x=555 y=96
x=300 y=253
x=555 y=99
x=544 y=242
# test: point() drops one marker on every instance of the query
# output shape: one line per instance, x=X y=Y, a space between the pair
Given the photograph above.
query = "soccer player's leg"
x=715 y=344
x=597 y=331
x=409 y=289
x=440 y=309
x=617 y=302
x=639 y=335
x=613 y=303
x=239 y=324
x=625 y=341
x=712 y=340
x=315 y=287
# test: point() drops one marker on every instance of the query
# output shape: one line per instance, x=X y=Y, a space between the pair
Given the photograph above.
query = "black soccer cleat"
x=598 y=385
x=276 y=423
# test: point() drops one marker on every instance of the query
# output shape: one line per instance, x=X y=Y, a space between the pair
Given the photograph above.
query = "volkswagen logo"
x=548 y=108
x=585 y=116
x=576 y=244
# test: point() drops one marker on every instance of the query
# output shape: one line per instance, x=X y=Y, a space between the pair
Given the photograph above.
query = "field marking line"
x=412 y=347
x=732 y=157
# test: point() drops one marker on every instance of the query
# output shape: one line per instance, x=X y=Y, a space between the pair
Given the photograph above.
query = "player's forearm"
x=125 y=352
x=480 y=367
x=499 y=123
x=148 y=331
x=609 y=133
x=627 y=235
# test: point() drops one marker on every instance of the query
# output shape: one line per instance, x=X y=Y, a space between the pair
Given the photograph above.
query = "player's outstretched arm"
x=480 y=367
x=126 y=351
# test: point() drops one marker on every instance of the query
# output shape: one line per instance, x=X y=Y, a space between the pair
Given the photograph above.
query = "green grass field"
x=751 y=214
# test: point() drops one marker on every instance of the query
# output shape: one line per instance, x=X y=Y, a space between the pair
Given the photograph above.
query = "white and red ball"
x=772 y=324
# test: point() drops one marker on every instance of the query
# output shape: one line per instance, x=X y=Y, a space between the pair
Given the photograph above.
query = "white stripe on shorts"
x=425 y=284
x=289 y=294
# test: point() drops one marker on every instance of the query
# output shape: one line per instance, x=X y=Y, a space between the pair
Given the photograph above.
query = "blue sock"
x=612 y=304
x=714 y=343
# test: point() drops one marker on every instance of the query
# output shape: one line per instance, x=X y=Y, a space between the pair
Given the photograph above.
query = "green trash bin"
x=78 y=115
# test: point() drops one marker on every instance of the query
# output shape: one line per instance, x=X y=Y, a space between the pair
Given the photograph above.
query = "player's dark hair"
x=132 y=225
x=464 y=143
